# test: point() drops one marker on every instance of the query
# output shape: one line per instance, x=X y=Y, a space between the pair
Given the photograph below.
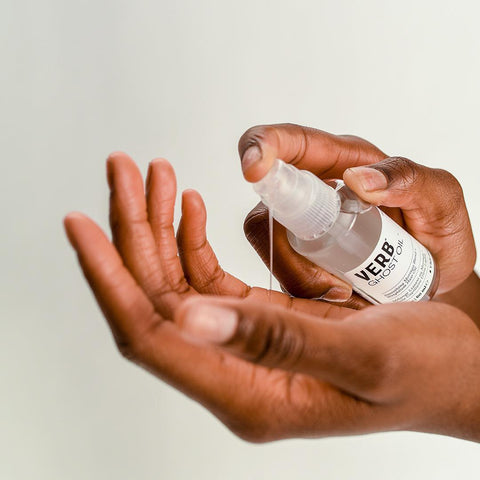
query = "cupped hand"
x=268 y=367
x=427 y=202
x=145 y=273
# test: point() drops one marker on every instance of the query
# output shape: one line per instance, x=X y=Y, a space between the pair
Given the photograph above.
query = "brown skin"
x=284 y=367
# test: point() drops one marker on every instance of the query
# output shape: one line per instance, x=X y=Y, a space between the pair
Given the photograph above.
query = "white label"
x=400 y=269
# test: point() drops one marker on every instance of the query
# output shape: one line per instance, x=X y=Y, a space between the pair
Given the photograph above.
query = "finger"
x=199 y=261
x=206 y=276
x=214 y=378
x=433 y=209
x=132 y=234
x=350 y=354
x=161 y=192
x=249 y=399
x=116 y=291
x=322 y=153
x=298 y=275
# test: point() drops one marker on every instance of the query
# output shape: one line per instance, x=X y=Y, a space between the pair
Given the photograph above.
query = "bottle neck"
x=299 y=200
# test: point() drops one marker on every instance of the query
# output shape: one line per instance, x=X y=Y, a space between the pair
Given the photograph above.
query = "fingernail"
x=210 y=322
x=370 y=179
x=252 y=155
x=336 y=294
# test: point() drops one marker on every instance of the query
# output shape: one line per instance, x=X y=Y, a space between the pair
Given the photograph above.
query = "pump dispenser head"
x=299 y=200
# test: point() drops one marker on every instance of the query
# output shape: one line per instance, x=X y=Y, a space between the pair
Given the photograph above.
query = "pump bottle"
x=353 y=240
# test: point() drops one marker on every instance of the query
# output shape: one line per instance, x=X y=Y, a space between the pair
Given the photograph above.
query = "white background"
x=184 y=79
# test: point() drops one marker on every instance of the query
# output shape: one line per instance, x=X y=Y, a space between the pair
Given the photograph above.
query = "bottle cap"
x=299 y=200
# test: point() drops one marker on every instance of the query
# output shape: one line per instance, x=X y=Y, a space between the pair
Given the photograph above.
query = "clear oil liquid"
x=349 y=242
x=270 y=243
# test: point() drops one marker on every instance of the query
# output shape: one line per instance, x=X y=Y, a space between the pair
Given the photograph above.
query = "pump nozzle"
x=299 y=200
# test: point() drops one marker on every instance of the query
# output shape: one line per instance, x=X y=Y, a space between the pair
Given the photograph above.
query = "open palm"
x=296 y=367
x=141 y=279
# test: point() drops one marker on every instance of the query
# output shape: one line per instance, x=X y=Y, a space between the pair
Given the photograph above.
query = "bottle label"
x=400 y=269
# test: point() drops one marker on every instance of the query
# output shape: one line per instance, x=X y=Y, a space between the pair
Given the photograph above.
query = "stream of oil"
x=270 y=238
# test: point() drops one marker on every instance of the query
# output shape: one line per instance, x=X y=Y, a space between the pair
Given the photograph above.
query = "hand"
x=427 y=202
x=141 y=279
x=404 y=366
x=284 y=368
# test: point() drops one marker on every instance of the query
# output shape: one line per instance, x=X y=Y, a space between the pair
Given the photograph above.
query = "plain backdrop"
x=183 y=80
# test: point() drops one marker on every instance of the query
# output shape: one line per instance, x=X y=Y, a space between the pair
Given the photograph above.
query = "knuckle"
x=311 y=284
x=303 y=135
x=449 y=209
x=356 y=140
x=209 y=283
x=295 y=287
x=179 y=285
x=359 y=149
x=448 y=180
x=157 y=282
x=273 y=343
x=401 y=172
x=156 y=285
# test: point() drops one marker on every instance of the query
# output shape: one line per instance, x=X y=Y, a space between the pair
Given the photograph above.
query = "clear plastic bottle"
x=353 y=240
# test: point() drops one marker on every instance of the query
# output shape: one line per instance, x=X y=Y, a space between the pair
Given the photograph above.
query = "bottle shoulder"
x=354 y=232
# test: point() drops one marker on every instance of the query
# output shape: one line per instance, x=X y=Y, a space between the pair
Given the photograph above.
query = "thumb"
x=345 y=354
x=399 y=182
x=432 y=208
